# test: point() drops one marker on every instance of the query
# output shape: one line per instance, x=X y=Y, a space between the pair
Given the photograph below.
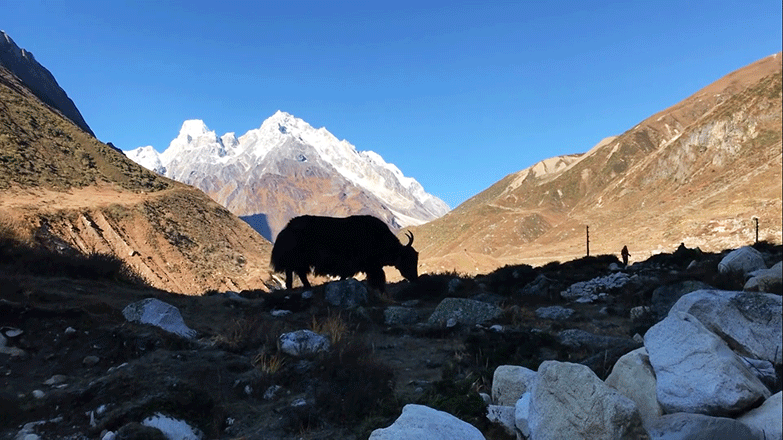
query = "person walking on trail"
x=625 y=255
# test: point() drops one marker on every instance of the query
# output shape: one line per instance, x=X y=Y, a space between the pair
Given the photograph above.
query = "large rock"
x=570 y=401
x=347 y=294
x=766 y=419
x=749 y=322
x=156 y=312
x=683 y=426
x=510 y=382
x=664 y=297
x=742 y=260
x=633 y=376
x=766 y=280
x=398 y=315
x=463 y=311
x=696 y=371
x=303 y=343
x=424 y=423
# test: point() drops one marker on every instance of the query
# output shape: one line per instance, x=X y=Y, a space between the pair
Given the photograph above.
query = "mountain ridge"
x=39 y=80
x=688 y=173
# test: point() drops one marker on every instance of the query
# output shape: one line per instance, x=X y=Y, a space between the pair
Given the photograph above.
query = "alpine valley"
x=287 y=168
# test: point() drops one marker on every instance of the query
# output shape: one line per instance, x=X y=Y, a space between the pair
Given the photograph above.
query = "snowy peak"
x=224 y=166
x=148 y=158
x=194 y=128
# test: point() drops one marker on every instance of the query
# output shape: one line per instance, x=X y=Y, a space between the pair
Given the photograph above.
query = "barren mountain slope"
x=63 y=188
x=696 y=172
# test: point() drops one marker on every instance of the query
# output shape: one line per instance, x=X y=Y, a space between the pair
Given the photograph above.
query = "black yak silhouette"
x=342 y=247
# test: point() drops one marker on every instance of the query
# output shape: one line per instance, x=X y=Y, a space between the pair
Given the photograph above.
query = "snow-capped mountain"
x=287 y=168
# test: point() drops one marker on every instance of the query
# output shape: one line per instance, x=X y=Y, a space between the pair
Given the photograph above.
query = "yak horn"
x=409 y=234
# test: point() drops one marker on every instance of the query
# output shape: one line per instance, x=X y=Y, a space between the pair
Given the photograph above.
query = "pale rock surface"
x=510 y=382
x=685 y=426
x=766 y=419
x=679 y=348
x=173 y=429
x=303 y=343
x=424 y=423
x=766 y=280
x=743 y=260
x=156 y=312
x=633 y=376
x=570 y=401
x=749 y=322
x=522 y=414
x=504 y=416
x=463 y=311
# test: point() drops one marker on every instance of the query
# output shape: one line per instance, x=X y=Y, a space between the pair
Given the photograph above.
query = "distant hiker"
x=625 y=255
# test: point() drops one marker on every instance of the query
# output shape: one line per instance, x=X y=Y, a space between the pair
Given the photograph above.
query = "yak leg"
x=376 y=278
x=289 y=279
x=303 y=276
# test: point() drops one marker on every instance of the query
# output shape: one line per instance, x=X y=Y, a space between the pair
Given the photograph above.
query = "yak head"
x=408 y=260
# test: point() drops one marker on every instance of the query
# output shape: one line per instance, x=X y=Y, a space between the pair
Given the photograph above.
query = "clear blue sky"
x=457 y=94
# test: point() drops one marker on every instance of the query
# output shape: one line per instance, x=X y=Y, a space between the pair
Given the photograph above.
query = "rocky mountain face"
x=63 y=189
x=287 y=168
x=39 y=80
x=697 y=172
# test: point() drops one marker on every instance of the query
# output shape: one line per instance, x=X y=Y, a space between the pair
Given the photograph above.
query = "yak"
x=342 y=247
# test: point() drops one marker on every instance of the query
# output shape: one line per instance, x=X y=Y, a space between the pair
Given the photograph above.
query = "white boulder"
x=424 y=423
x=302 y=343
x=766 y=280
x=749 y=321
x=509 y=383
x=696 y=371
x=633 y=376
x=684 y=426
x=766 y=419
x=742 y=260
x=160 y=314
x=570 y=401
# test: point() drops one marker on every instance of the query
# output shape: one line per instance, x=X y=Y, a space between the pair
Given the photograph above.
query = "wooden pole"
x=757 y=229
x=587 y=232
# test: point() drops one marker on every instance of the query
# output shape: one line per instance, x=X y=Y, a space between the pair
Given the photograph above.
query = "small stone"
x=90 y=361
x=55 y=380
x=38 y=394
x=70 y=331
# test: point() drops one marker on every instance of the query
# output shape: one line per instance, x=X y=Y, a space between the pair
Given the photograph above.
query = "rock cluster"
x=693 y=375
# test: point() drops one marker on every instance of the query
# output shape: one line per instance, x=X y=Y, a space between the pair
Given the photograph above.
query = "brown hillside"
x=64 y=189
x=696 y=172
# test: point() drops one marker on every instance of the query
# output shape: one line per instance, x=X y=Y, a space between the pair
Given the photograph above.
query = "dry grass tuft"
x=333 y=325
